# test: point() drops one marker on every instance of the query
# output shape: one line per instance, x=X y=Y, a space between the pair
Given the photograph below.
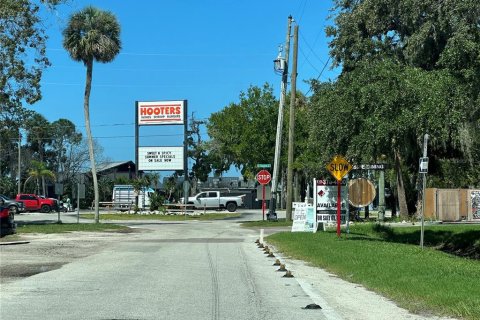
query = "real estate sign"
x=325 y=195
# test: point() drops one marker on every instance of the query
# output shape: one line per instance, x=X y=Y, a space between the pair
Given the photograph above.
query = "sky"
x=206 y=52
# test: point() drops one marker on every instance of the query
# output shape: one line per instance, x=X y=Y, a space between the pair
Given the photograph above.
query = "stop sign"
x=263 y=177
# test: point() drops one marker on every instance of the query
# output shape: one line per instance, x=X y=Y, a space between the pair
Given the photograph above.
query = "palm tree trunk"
x=40 y=151
x=402 y=199
x=86 y=110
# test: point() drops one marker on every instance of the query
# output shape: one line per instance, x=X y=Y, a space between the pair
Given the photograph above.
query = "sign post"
x=263 y=177
x=339 y=167
x=423 y=170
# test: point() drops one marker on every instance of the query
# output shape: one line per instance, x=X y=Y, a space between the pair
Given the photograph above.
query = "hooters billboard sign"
x=161 y=112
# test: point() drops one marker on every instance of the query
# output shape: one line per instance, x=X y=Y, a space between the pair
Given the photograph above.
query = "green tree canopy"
x=409 y=67
x=22 y=54
x=428 y=34
x=243 y=134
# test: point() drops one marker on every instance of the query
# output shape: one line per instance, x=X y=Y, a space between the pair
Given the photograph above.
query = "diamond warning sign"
x=339 y=167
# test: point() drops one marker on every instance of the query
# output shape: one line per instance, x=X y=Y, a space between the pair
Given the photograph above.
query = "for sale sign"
x=161 y=112
x=325 y=196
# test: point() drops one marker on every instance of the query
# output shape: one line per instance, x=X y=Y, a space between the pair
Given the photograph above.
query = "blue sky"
x=206 y=52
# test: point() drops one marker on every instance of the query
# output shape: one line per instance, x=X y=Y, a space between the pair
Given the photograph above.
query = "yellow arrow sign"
x=339 y=167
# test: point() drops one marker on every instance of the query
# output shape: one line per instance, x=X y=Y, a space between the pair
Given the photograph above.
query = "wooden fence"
x=452 y=204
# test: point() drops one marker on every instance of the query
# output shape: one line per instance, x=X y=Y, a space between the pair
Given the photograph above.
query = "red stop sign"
x=263 y=177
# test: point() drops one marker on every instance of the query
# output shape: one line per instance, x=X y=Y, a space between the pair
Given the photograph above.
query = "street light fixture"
x=279 y=64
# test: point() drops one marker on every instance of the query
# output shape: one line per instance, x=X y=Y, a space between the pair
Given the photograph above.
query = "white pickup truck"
x=213 y=199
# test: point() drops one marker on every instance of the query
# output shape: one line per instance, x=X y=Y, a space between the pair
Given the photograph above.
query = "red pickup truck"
x=36 y=203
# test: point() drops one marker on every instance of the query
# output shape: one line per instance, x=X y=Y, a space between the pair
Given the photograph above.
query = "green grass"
x=126 y=216
x=67 y=227
x=382 y=260
x=267 y=224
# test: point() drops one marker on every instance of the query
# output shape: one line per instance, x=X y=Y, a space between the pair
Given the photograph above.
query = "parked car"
x=214 y=200
x=15 y=207
x=37 y=203
x=7 y=219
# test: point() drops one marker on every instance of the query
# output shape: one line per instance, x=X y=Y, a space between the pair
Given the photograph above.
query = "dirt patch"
x=47 y=252
x=27 y=270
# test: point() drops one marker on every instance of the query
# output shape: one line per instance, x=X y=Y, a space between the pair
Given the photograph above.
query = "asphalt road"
x=171 y=270
x=191 y=270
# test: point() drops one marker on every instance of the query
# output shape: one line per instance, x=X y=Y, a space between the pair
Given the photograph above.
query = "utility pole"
x=272 y=215
x=196 y=156
x=291 y=127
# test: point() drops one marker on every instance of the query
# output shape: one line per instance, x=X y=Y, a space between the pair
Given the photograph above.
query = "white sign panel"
x=299 y=216
x=160 y=158
x=325 y=195
x=161 y=112
x=303 y=217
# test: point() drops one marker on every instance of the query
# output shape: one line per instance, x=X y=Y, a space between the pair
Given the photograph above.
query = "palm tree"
x=38 y=136
x=38 y=171
x=92 y=34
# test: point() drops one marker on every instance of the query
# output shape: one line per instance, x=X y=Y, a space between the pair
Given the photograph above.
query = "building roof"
x=110 y=165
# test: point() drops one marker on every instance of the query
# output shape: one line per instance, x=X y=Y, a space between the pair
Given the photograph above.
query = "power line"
x=309 y=62
x=310 y=47
x=220 y=84
x=141 y=136
x=304 y=5
x=321 y=72
x=116 y=137
x=165 y=54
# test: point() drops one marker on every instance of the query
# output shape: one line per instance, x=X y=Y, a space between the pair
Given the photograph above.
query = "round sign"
x=361 y=192
x=263 y=177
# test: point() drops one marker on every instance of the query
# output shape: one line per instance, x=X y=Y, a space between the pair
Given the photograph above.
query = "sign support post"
x=186 y=185
x=339 y=204
x=263 y=177
x=78 y=202
x=423 y=170
x=263 y=202
x=347 y=211
x=339 y=167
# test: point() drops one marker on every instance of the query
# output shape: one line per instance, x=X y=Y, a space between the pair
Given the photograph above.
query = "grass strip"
x=421 y=281
x=127 y=216
x=267 y=224
x=68 y=227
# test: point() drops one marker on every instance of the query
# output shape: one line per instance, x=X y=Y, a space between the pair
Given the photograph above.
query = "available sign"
x=160 y=112
x=160 y=158
x=325 y=195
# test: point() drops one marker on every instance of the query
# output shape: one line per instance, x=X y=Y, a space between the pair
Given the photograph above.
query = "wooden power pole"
x=291 y=127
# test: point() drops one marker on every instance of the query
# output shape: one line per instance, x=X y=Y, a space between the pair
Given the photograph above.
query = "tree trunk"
x=296 y=187
x=44 y=188
x=40 y=151
x=86 y=110
x=402 y=199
